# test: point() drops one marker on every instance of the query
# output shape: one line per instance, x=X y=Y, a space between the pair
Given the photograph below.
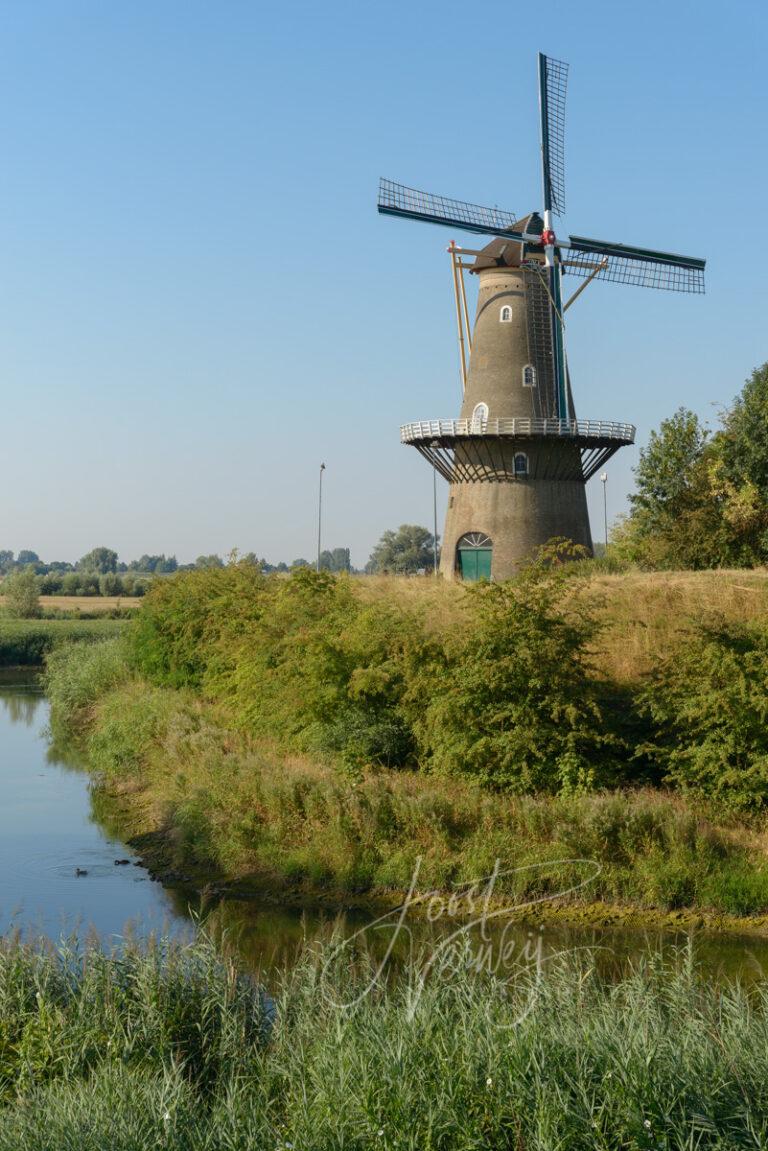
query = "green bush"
x=510 y=700
x=709 y=705
x=22 y=594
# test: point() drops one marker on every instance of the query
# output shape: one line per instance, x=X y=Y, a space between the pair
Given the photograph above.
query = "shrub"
x=709 y=704
x=510 y=700
x=22 y=594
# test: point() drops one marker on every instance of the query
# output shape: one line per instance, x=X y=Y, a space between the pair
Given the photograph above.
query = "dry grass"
x=91 y=603
x=643 y=615
x=647 y=614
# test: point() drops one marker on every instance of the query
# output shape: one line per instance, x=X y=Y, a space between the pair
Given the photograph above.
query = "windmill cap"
x=501 y=253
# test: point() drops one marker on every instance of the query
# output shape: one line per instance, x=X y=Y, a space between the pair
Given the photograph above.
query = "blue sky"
x=199 y=302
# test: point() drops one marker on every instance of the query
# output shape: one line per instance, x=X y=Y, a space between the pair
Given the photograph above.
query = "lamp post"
x=604 y=481
x=434 y=512
x=320 y=516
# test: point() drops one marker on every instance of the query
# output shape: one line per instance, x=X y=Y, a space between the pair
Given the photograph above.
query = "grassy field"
x=642 y=616
x=175 y=1049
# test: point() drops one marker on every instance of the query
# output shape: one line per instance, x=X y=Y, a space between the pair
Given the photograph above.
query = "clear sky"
x=199 y=302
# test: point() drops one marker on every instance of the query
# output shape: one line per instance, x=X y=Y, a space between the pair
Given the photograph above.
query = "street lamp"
x=320 y=516
x=434 y=511
x=604 y=481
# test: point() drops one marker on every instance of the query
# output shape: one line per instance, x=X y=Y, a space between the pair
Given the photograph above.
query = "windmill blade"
x=640 y=266
x=397 y=200
x=553 y=80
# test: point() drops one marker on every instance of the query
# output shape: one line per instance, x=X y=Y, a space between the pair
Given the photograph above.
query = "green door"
x=475 y=563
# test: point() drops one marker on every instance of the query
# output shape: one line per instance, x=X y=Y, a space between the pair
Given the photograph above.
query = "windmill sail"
x=397 y=200
x=640 y=266
x=553 y=80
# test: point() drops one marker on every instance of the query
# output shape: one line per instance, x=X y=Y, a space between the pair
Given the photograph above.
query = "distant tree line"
x=101 y=573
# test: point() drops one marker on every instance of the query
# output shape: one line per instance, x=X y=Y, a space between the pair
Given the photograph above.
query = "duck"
x=80 y=871
x=122 y=862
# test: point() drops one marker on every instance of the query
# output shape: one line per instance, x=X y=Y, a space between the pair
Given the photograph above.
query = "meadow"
x=173 y=1047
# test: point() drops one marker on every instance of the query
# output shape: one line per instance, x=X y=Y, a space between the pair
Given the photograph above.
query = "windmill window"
x=529 y=376
x=505 y=316
x=479 y=417
x=521 y=464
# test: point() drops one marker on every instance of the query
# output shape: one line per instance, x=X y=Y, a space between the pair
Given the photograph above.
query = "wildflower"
x=167 y=1117
x=647 y=1124
x=489 y=1082
x=380 y=1131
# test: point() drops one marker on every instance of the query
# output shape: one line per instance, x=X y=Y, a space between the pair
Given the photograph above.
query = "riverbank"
x=26 y=642
x=208 y=807
x=174 y=1047
x=260 y=735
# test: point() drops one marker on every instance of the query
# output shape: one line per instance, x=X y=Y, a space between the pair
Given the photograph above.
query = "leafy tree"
x=301 y=563
x=335 y=561
x=6 y=560
x=101 y=560
x=21 y=592
x=212 y=561
x=70 y=584
x=27 y=557
x=404 y=552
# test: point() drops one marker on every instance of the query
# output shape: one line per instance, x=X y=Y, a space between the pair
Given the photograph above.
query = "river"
x=58 y=875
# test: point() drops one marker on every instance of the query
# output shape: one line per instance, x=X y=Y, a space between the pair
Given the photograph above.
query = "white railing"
x=587 y=429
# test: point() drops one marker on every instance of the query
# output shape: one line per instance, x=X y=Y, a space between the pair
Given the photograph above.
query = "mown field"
x=89 y=604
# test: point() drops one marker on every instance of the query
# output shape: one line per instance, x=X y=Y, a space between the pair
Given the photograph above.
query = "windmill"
x=517 y=458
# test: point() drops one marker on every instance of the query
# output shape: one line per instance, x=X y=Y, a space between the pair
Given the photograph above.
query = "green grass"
x=174 y=1049
x=27 y=641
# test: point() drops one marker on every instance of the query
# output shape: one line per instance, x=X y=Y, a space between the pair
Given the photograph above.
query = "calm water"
x=48 y=831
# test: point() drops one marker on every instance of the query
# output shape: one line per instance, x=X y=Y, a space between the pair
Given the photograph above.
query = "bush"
x=709 y=704
x=510 y=700
x=22 y=594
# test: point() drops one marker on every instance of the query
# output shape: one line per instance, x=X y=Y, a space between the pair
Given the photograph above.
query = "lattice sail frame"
x=553 y=131
x=642 y=267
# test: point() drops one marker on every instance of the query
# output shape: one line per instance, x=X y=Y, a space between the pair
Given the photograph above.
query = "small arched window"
x=505 y=315
x=521 y=465
x=479 y=417
x=529 y=376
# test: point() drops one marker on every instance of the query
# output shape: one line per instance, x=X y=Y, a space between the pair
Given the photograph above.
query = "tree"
x=404 y=552
x=335 y=561
x=101 y=560
x=212 y=561
x=6 y=560
x=21 y=592
x=665 y=473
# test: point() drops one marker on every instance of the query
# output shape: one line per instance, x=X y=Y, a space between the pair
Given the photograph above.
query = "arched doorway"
x=473 y=555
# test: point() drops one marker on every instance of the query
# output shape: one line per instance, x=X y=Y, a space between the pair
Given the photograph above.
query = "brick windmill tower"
x=517 y=458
